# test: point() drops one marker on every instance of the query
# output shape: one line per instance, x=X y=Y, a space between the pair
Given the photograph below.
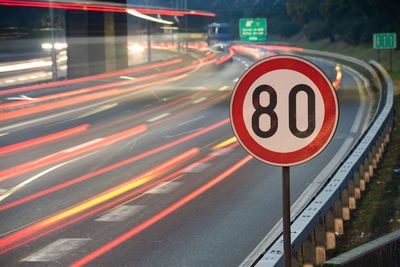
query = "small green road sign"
x=253 y=29
x=385 y=40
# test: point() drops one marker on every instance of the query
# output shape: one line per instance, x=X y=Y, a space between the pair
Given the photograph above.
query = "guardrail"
x=315 y=229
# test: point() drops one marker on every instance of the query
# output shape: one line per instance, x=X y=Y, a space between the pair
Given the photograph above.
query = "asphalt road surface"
x=141 y=168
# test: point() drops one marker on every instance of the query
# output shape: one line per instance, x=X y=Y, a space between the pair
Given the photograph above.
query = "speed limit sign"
x=284 y=110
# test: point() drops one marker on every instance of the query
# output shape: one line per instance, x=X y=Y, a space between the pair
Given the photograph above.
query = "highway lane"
x=219 y=226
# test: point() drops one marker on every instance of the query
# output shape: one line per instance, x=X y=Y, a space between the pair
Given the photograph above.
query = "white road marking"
x=199 y=100
x=2 y=191
x=4 y=195
x=21 y=97
x=359 y=116
x=2 y=134
x=164 y=188
x=181 y=87
x=223 y=88
x=10 y=81
x=197 y=167
x=195 y=119
x=120 y=214
x=82 y=145
x=185 y=133
x=235 y=80
x=80 y=109
x=127 y=78
x=57 y=249
x=159 y=117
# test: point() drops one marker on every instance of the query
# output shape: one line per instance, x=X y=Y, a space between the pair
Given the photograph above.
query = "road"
x=140 y=168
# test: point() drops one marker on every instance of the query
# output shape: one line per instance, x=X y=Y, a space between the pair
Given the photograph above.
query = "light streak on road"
x=69 y=153
x=94 y=201
x=24 y=66
x=336 y=83
x=91 y=78
x=43 y=139
x=225 y=143
x=105 y=8
x=134 y=231
x=94 y=96
x=114 y=166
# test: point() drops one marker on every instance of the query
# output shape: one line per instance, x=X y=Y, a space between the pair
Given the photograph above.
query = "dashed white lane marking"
x=159 y=117
x=120 y=214
x=164 y=188
x=189 y=121
x=21 y=97
x=184 y=133
x=57 y=249
x=197 y=167
x=127 y=78
x=4 y=195
x=82 y=145
x=223 y=88
x=235 y=80
x=2 y=134
x=199 y=100
x=2 y=191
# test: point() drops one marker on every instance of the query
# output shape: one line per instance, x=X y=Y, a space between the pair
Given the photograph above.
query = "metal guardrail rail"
x=315 y=229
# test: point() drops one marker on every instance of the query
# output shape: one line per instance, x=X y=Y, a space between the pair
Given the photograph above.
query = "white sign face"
x=284 y=110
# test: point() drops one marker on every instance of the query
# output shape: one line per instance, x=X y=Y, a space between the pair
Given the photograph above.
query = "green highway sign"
x=385 y=40
x=253 y=29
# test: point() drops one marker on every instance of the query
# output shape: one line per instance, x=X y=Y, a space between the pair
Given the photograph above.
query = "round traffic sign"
x=284 y=110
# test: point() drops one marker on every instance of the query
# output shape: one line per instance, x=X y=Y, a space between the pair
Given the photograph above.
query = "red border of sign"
x=318 y=77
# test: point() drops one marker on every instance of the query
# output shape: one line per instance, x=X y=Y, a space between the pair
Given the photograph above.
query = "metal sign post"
x=284 y=112
x=287 y=250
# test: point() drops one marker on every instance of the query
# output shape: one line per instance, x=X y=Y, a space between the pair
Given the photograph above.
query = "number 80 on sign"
x=284 y=110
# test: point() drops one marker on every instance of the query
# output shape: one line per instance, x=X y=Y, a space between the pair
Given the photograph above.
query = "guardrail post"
x=295 y=259
x=319 y=235
x=361 y=174
x=381 y=147
x=375 y=154
x=337 y=212
x=370 y=167
x=330 y=230
x=358 y=185
x=307 y=252
x=366 y=169
x=345 y=205
x=352 y=198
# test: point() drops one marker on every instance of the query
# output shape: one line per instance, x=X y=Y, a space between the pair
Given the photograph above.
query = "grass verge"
x=378 y=211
